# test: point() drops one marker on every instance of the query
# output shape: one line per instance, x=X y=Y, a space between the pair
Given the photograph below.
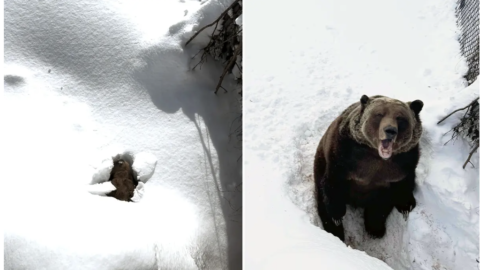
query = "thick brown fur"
x=123 y=178
x=349 y=170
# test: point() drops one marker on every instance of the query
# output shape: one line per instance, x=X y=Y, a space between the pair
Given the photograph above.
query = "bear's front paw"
x=375 y=230
x=337 y=222
x=406 y=207
x=336 y=212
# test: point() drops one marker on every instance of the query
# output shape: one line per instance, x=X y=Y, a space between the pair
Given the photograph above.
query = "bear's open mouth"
x=385 y=149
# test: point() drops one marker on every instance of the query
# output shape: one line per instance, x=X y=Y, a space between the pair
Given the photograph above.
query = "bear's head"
x=388 y=125
x=120 y=168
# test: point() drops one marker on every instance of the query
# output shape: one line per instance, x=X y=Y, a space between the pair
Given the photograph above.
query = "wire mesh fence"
x=467 y=20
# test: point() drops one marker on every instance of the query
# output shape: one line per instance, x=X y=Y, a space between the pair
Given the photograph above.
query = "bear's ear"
x=364 y=100
x=416 y=106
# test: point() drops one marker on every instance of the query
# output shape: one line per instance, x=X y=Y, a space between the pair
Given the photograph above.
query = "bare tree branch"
x=470 y=156
x=216 y=21
x=457 y=111
x=229 y=65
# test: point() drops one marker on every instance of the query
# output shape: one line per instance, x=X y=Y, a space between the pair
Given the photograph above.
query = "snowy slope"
x=317 y=61
x=87 y=80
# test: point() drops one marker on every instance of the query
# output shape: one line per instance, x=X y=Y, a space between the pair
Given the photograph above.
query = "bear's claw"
x=407 y=207
x=337 y=222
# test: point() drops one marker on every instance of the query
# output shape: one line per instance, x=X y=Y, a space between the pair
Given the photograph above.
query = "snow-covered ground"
x=311 y=59
x=87 y=80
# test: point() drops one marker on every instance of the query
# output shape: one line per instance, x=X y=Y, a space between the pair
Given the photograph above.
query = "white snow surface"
x=101 y=188
x=87 y=80
x=302 y=73
x=144 y=165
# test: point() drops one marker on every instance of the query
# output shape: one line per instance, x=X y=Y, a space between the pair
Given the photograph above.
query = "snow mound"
x=101 y=189
x=138 y=192
x=144 y=166
x=102 y=171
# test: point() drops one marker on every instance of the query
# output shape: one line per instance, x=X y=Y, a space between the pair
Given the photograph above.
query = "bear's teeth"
x=385 y=149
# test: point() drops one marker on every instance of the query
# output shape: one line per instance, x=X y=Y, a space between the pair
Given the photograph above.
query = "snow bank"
x=331 y=56
x=86 y=80
x=278 y=235
x=144 y=166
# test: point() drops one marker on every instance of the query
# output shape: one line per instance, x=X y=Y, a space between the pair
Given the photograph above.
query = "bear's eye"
x=379 y=115
x=402 y=123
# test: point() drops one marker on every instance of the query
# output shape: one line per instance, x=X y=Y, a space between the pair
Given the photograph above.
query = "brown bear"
x=123 y=178
x=367 y=158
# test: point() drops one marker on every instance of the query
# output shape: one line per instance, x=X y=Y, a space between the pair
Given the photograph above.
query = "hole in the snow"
x=13 y=79
x=123 y=176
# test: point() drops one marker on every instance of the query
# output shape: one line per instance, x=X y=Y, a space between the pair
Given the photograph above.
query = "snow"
x=101 y=188
x=304 y=70
x=144 y=165
x=86 y=81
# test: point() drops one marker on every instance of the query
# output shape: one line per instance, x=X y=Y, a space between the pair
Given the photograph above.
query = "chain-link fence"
x=467 y=14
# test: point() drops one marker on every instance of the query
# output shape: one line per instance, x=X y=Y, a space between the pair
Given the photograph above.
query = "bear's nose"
x=391 y=132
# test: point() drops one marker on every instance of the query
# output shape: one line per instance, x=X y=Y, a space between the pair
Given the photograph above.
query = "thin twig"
x=202 y=59
x=235 y=120
x=457 y=111
x=470 y=155
x=222 y=88
x=197 y=54
x=216 y=21
x=239 y=68
x=229 y=65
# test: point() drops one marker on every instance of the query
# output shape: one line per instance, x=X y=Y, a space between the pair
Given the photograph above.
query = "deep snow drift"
x=331 y=53
x=87 y=80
